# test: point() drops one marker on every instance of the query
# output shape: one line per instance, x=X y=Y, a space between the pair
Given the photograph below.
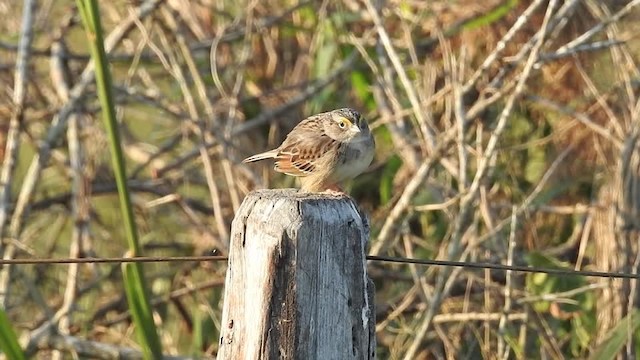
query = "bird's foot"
x=335 y=190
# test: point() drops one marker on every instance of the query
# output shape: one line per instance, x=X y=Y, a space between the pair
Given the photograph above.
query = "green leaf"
x=8 y=341
x=617 y=337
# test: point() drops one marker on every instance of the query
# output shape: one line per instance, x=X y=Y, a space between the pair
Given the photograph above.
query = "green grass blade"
x=492 y=16
x=133 y=274
x=9 y=345
x=617 y=337
x=141 y=311
x=103 y=81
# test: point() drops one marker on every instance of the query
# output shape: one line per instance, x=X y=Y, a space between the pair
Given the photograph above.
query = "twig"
x=590 y=47
x=233 y=102
x=560 y=295
x=60 y=120
x=582 y=118
x=305 y=93
x=460 y=121
x=382 y=242
x=80 y=188
x=464 y=317
x=192 y=109
x=174 y=295
x=386 y=100
x=48 y=338
x=468 y=199
x=526 y=203
x=556 y=23
x=13 y=135
x=407 y=300
x=418 y=112
x=13 y=141
x=582 y=39
x=501 y=45
x=506 y=309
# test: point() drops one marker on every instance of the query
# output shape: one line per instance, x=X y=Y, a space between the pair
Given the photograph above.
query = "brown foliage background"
x=506 y=133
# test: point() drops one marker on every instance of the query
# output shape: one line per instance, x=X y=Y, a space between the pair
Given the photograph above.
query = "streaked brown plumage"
x=324 y=150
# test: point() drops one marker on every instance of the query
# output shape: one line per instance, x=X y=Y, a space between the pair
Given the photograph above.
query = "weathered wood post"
x=296 y=285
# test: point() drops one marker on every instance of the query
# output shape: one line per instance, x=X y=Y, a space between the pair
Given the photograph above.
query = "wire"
x=518 y=268
x=388 y=259
x=139 y=259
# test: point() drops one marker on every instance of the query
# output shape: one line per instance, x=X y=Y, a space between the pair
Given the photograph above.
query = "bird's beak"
x=355 y=129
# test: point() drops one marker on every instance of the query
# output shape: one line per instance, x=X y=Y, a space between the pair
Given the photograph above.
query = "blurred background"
x=506 y=133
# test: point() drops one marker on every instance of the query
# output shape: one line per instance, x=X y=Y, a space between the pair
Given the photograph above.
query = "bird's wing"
x=301 y=151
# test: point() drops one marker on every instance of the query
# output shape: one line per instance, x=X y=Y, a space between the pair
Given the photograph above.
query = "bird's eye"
x=343 y=123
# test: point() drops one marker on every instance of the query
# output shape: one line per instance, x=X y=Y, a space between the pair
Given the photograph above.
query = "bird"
x=324 y=150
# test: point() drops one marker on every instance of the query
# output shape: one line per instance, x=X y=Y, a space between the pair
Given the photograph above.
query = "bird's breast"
x=355 y=159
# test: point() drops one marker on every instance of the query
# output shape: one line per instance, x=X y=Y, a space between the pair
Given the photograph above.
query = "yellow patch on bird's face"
x=343 y=122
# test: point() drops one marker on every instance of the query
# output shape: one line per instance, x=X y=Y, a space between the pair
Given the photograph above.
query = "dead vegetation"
x=507 y=133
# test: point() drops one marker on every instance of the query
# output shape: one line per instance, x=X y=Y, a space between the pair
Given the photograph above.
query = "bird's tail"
x=265 y=155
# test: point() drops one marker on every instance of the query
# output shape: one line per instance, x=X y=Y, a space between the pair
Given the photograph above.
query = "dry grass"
x=499 y=128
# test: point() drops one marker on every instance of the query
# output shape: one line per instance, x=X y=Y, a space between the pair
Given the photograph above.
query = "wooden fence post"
x=296 y=285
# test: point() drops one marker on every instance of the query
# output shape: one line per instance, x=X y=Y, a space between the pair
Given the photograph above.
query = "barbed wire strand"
x=387 y=259
x=517 y=268
x=139 y=259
